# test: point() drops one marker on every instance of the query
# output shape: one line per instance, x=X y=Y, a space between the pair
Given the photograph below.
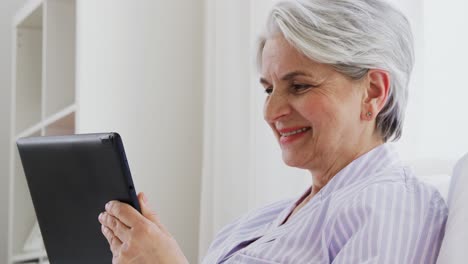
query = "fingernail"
x=100 y=216
x=108 y=205
x=145 y=199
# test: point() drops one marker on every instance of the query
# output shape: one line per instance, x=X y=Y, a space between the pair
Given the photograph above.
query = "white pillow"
x=454 y=248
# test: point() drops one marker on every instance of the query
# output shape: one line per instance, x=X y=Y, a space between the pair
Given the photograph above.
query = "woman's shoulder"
x=394 y=186
x=403 y=180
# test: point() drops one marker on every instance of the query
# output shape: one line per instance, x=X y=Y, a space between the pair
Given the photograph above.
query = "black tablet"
x=70 y=179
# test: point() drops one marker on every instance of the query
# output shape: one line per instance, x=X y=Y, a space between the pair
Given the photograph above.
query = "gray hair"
x=353 y=36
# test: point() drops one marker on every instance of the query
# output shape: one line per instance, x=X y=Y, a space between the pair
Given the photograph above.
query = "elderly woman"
x=335 y=73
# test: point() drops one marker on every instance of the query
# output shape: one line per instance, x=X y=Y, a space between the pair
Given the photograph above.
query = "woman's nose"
x=276 y=106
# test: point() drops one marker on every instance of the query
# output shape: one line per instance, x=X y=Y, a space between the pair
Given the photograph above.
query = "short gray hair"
x=353 y=36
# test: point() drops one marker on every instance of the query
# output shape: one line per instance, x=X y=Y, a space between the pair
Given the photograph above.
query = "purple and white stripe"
x=372 y=211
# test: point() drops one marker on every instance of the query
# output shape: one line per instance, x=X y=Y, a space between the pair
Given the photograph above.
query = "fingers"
x=137 y=238
x=147 y=212
x=114 y=242
x=117 y=227
x=124 y=212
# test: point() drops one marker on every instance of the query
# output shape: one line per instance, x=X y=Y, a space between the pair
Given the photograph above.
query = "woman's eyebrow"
x=291 y=75
x=264 y=81
x=288 y=77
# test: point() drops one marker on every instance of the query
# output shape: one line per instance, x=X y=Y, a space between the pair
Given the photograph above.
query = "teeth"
x=295 y=132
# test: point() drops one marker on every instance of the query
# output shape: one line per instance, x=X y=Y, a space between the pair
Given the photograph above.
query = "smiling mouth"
x=291 y=133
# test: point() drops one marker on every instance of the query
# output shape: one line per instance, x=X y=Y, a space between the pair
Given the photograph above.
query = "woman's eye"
x=268 y=91
x=300 y=87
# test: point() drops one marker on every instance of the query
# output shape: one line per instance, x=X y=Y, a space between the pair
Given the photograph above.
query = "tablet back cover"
x=70 y=179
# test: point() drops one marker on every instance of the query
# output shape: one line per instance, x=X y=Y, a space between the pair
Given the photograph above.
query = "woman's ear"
x=377 y=87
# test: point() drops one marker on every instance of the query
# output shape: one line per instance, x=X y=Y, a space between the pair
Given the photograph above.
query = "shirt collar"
x=368 y=164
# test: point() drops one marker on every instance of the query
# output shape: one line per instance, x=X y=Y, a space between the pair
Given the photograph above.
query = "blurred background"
x=177 y=80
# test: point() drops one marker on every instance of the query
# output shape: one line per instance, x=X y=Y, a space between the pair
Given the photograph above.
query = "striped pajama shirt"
x=373 y=211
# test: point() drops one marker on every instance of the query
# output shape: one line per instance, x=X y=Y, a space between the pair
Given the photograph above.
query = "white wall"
x=7 y=11
x=436 y=125
x=446 y=89
x=139 y=72
x=226 y=172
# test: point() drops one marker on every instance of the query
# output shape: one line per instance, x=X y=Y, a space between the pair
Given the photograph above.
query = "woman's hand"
x=138 y=238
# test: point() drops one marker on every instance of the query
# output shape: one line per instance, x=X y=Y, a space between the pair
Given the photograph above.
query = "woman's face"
x=314 y=111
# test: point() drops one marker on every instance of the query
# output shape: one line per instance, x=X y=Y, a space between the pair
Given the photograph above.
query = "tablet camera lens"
x=106 y=140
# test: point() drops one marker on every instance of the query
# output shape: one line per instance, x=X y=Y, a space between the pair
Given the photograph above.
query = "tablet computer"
x=70 y=179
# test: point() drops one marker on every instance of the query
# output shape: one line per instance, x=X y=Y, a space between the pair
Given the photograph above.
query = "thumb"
x=146 y=210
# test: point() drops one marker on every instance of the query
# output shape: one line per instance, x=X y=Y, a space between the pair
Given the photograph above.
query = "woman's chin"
x=294 y=161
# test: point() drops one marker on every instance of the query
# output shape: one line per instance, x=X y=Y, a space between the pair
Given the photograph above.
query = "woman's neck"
x=321 y=176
